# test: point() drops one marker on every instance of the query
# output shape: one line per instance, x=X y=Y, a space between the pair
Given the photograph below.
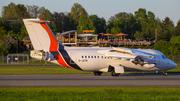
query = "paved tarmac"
x=89 y=80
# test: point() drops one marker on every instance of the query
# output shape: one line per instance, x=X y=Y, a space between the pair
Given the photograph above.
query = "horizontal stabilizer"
x=35 y=20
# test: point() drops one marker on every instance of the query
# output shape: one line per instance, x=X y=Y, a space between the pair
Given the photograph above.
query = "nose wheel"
x=164 y=73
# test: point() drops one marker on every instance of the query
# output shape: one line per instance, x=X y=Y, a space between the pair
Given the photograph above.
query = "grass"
x=89 y=94
x=175 y=70
x=27 y=70
x=24 y=70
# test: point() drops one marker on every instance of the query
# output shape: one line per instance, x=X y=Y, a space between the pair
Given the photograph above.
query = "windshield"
x=163 y=56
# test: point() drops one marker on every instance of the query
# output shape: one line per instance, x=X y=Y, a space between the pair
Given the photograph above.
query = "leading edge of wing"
x=119 y=52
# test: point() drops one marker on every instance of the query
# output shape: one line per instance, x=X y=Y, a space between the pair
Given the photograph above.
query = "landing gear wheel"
x=114 y=74
x=164 y=73
x=97 y=73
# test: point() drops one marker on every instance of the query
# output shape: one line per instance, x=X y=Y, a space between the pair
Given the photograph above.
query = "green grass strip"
x=89 y=94
x=27 y=70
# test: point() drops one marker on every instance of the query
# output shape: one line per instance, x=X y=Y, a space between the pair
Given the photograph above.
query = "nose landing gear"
x=164 y=73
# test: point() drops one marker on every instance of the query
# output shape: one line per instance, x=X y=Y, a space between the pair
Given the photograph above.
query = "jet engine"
x=138 y=60
x=42 y=55
x=148 y=63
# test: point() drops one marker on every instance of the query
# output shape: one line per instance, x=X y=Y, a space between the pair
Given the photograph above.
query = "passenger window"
x=85 y=56
x=88 y=56
x=82 y=56
x=101 y=56
x=94 y=56
x=97 y=56
x=91 y=56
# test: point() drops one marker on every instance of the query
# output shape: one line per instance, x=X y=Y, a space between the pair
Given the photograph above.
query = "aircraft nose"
x=172 y=64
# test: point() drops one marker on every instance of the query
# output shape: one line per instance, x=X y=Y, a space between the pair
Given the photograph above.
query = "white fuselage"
x=88 y=59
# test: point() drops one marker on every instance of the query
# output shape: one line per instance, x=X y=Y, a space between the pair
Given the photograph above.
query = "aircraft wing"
x=126 y=53
x=136 y=57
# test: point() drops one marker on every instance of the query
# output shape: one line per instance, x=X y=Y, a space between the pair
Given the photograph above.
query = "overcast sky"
x=107 y=8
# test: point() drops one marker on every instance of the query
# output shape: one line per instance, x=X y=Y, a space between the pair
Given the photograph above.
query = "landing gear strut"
x=164 y=73
x=97 y=73
x=114 y=74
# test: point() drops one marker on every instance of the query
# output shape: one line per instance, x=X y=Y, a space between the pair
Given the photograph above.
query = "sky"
x=108 y=8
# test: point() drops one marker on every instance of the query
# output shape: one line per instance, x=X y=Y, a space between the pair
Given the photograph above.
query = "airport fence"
x=20 y=59
x=17 y=58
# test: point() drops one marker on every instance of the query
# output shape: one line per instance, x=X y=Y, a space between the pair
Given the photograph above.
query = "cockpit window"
x=163 y=56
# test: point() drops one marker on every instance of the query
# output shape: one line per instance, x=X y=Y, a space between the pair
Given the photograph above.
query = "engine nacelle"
x=42 y=55
x=149 y=65
x=144 y=62
x=38 y=54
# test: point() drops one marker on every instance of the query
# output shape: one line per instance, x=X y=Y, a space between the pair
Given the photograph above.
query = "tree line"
x=140 y=26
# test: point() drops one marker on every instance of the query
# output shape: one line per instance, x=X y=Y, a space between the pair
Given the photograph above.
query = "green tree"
x=139 y=35
x=33 y=10
x=76 y=11
x=85 y=23
x=9 y=12
x=22 y=12
x=3 y=45
x=99 y=23
x=175 y=39
x=116 y=25
x=146 y=22
x=177 y=28
x=23 y=33
x=115 y=30
x=130 y=26
x=167 y=48
x=168 y=29
x=14 y=12
x=60 y=21
x=44 y=14
x=162 y=46
x=70 y=22
x=150 y=29
x=123 y=22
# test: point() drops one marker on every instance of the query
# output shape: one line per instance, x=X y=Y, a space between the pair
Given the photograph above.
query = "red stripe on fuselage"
x=54 y=45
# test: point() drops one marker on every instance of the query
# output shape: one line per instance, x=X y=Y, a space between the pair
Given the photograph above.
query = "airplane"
x=116 y=60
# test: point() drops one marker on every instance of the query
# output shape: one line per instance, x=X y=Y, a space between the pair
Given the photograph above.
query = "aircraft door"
x=73 y=58
x=157 y=59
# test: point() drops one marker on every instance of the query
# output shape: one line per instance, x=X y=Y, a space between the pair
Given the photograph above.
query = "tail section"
x=41 y=35
x=43 y=39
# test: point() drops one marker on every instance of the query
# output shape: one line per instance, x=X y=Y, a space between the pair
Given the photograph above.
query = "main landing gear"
x=97 y=73
x=114 y=74
x=164 y=73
